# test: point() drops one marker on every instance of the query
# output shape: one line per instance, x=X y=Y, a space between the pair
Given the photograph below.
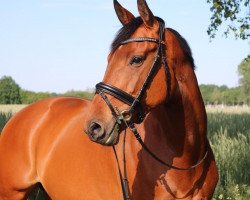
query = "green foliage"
x=9 y=91
x=30 y=97
x=232 y=192
x=80 y=94
x=229 y=135
x=233 y=123
x=234 y=13
x=213 y=95
x=4 y=118
x=244 y=72
x=232 y=156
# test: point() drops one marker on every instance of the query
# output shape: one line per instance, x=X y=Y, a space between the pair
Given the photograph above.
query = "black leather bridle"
x=135 y=102
x=126 y=116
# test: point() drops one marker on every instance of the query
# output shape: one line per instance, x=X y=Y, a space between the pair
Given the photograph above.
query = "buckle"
x=126 y=115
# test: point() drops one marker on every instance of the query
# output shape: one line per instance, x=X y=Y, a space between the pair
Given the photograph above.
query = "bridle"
x=126 y=116
x=135 y=102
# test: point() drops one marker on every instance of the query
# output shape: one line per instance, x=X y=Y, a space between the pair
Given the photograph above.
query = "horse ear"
x=123 y=14
x=146 y=14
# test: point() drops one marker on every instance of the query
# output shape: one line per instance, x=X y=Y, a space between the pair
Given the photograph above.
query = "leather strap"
x=124 y=185
x=140 y=39
x=102 y=88
x=138 y=137
x=115 y=92
x=105 y=98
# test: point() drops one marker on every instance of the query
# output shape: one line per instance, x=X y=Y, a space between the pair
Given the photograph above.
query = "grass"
x=229 y=135
x=4 y=118
x=228 y=109
x=11 y=108
x=232 y=123
x=232 y=159
x=7 y=111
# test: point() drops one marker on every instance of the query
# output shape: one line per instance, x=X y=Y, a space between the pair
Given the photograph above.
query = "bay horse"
x=150 y=91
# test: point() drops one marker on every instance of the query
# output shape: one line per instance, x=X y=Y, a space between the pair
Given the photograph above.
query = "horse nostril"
x=95 y=128
x=96 y=131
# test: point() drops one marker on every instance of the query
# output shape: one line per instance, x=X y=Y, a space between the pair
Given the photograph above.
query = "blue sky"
x=59 y=45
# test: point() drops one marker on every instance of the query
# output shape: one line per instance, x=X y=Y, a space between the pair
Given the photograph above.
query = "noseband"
x=135 y=102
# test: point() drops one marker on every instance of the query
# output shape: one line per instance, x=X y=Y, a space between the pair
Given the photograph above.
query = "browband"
x=140 y=39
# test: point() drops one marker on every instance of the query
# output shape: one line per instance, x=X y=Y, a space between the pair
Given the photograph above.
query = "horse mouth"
x=113 y=136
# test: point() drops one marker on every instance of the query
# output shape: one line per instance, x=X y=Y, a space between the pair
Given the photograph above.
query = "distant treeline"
x=28 y=97
x=214 y=95
x=11 y=93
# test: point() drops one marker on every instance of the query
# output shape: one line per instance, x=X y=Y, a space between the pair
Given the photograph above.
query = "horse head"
x=138 y=77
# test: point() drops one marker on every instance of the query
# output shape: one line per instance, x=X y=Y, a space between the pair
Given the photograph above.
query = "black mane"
x=126 y=31
x=185 y=46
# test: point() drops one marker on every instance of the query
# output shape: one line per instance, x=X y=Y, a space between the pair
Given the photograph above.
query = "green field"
x=229 y=135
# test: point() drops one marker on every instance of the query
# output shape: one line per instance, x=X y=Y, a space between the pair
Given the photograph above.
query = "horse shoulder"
x=20 y=140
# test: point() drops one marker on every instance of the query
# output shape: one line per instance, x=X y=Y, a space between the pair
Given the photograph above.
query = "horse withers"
x=149 y=91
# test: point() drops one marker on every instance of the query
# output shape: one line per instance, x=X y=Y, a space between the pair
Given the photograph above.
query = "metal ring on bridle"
x=126 y=115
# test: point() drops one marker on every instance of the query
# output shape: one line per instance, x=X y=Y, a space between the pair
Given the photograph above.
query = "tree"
x=235 y=14
x=9 y=91
x=30 y=97
x=80 y=94
x=232 y=96
x=244 y=72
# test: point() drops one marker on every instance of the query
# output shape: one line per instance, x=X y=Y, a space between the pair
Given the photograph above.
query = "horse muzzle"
x=97 y=132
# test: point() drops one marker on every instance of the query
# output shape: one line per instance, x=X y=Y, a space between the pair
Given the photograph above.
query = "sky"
x=62 y=45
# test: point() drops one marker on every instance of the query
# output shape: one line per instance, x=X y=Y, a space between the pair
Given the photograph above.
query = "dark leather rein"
x=125 y=116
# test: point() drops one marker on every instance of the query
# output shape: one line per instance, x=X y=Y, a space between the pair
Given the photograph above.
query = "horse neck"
x=181 y=124
x=176 y=133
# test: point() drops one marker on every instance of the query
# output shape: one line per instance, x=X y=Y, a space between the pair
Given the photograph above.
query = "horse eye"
x=136 y=60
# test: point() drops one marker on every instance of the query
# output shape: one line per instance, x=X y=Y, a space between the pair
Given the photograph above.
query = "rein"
x=125 y=116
